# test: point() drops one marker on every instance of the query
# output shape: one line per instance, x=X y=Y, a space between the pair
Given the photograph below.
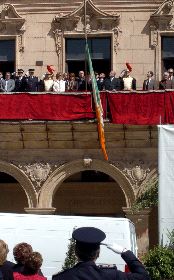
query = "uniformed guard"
x=20 y=81
x=87 y=249
x=31 y=82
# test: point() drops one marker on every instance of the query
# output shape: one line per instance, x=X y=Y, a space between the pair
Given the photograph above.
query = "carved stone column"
x=41 y=211
x=141 y=221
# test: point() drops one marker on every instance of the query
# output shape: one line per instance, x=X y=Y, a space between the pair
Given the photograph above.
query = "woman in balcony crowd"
x=59 y=83
x=72 y=82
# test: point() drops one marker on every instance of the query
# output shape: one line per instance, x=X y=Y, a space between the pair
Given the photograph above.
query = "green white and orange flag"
x=98 y=105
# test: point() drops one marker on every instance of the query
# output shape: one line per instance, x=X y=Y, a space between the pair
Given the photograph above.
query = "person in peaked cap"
x=87 y=249
x=20 y=81
x=31 y=82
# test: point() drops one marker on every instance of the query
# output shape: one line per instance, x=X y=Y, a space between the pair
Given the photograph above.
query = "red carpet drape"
x=139 y=108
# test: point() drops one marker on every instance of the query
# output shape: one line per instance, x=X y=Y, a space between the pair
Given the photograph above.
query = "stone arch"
x=23 y=180
x=66 y=170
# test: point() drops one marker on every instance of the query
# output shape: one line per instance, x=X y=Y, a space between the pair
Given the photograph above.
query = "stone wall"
x=40 y=38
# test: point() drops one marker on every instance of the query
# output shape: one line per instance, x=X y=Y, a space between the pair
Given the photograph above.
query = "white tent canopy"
x=166 y=181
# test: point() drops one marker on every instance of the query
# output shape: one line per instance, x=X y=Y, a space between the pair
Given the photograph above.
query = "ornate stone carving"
x=96 y=20
x=165 y=8
x=10 y=21
x=161 y=20
x=58 y=40
x=37 y=172
x=116 y=31
x=136 y=175
x=151 y=179
x=153 y=36
x=21 y=43
x=87 y=162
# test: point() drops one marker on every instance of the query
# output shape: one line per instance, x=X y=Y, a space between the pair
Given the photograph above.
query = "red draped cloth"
x=136 y=108
x=24 y=106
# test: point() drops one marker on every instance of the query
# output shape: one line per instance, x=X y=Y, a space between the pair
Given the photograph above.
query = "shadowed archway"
x=62 y=173
x=22 y=179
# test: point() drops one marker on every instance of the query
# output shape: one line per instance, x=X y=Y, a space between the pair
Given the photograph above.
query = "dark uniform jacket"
x=7 y=272
x=115 y=83
x=90 y=271
x=101 y=84
x=20 y=84
x=31 y=84
x=81 y=84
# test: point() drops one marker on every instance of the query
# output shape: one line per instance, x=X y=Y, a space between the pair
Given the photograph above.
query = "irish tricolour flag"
x=98 y=105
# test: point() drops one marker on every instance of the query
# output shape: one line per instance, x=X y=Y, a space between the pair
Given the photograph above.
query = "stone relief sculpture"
x=10 y=21
x=165 y=8
x=37 y=172
x=161 y=20
x=97 y=22
x=136 y=174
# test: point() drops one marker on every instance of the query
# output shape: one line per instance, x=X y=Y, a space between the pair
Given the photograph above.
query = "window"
x=167 y=52
x=100 y=49
x=7 y=55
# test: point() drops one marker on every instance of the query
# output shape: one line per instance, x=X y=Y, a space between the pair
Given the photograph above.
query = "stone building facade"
x=138 y=32
x=58 y=167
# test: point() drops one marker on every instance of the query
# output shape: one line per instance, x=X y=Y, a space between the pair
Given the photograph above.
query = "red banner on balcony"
x=137 y=108
x=24 y=106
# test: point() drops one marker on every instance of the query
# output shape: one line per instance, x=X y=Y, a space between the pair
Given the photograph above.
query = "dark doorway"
x=100 y=49
x=13 y=198
x=167 y=51
x=7 y=56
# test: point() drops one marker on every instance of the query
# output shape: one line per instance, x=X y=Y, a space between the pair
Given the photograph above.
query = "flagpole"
x=86 y=38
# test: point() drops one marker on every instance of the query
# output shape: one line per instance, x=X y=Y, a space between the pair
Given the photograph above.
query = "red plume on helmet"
x=129 y=67
x=50 y=69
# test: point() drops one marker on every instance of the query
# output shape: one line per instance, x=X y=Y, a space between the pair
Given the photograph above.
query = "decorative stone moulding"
x=97 y=22
x=37 y=172
x=136 y=175
x=10 y=21
x=161 y=20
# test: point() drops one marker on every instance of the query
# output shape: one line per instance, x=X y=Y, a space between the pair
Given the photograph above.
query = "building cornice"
x=45 y=7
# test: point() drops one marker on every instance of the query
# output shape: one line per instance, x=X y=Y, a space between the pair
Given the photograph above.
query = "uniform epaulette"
x=107 y=266
x=61 y=272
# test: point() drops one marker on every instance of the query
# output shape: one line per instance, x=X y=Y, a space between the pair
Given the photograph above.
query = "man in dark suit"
x=1 y=79
x=87 y=249
x=20 y=81
x=81 y=81
x=150 y=82
x=113 y=83
x=101 y=81
x=31 y=82
x=165 y=83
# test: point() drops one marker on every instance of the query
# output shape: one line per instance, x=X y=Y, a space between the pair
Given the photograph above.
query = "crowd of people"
x=87 y=250
x=28 y=263
x=62 y=82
